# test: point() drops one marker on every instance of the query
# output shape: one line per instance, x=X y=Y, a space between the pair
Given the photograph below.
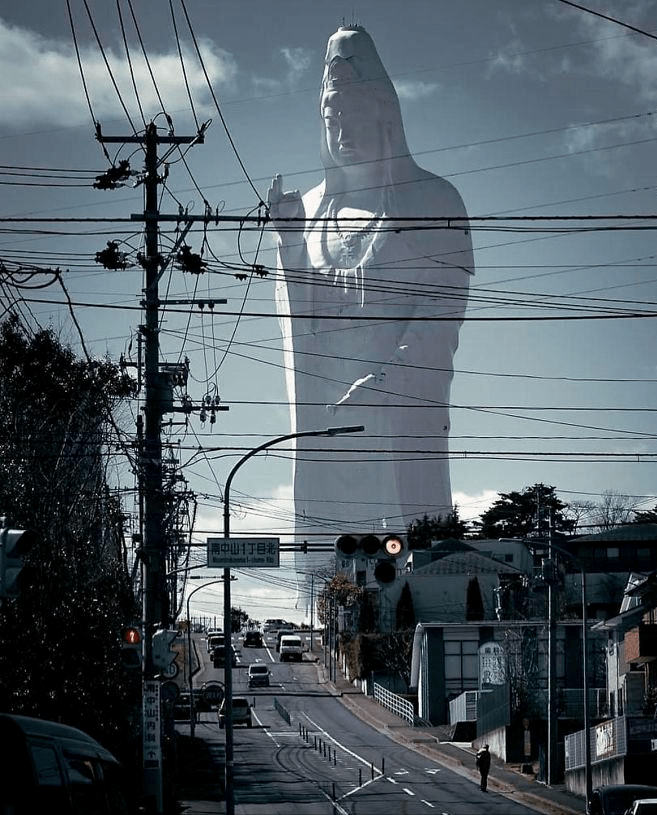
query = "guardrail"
x=394 y=703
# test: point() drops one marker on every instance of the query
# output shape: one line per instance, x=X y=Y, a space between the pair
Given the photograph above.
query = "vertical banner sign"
x=151 y=736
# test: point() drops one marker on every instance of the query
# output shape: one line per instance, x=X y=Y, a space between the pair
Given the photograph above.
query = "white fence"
x=397 y=704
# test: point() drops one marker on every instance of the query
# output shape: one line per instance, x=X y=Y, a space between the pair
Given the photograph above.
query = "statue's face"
x=353 y=132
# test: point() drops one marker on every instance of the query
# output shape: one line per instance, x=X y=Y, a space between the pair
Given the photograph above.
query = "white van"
x=290 y=648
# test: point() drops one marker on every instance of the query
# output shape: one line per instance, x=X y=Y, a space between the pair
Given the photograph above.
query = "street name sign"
x=244 y=553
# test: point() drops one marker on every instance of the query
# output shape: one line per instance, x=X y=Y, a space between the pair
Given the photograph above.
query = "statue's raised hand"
x=283 y=205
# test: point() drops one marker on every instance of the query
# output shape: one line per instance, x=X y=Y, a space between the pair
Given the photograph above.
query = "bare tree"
x=614 y=509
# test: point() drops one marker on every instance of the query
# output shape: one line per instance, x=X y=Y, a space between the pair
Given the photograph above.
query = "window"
x=86 y=789
x=461 y=660
x=51 y=792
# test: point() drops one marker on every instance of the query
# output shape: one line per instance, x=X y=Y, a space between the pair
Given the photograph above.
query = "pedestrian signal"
x=131 y=648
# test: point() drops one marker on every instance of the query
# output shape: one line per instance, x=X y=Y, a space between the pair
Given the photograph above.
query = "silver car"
x=258 y=676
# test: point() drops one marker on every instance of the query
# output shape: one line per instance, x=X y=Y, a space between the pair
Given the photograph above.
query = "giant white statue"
x=371 y=297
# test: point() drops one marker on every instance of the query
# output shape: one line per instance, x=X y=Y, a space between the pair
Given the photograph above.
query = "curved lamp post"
x=192 y=711
x=228 y=670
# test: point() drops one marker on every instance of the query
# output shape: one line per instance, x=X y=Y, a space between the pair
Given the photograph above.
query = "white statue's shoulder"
x=432 y=195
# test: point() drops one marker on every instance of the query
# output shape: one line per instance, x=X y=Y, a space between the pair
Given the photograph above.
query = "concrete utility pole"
x=154 y=545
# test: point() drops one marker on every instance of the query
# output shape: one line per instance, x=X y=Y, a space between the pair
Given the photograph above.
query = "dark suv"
x=253 y=639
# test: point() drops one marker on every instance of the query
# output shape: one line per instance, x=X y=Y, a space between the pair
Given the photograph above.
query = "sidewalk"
x=203 y=760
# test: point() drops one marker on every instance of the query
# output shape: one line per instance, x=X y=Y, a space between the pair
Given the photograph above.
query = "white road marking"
x=268 y=732
x=339 y=744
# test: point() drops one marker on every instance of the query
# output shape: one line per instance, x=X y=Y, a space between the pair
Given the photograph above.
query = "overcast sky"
x=529 y=107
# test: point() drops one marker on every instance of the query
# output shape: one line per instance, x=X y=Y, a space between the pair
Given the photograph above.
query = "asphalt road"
x=308 y=754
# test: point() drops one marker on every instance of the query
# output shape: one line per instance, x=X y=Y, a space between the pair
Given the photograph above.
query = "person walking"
x=483 y=765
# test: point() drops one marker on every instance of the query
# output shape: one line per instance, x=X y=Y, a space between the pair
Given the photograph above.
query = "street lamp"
x=228 y=670
x=192 y=711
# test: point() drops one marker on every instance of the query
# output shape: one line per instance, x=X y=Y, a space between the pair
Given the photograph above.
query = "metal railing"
x=607 y=740
x=396 y=704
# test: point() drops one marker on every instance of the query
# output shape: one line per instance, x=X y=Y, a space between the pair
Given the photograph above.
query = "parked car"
x=643 y=806
x=616 y=799
x=50 y=767
x=290 y=648
x=253 y=639
x=241 y=712
x=258 y=676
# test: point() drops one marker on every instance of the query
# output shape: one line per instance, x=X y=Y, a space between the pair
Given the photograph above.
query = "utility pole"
x=154 y=545
x=553 y=712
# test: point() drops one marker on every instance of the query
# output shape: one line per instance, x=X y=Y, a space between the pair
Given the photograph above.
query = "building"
x=623 y=744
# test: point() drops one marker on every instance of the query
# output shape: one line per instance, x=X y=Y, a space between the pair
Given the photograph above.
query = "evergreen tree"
x=474 y=604
x=521 y=514
x=60 y=638
x=405 y=612
x=423 y=531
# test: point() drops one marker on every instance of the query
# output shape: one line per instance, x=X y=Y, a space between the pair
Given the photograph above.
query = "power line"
x=608 y=18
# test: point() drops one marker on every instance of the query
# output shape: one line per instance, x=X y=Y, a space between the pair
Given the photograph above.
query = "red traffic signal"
x=370 y=545
x=393 y=545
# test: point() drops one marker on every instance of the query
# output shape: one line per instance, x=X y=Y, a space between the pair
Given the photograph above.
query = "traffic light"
x=164 y=657
x=131 y=648
x=15 y=544
x=378 y=551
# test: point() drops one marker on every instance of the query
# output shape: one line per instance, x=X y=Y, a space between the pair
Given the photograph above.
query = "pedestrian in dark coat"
x=483 y=765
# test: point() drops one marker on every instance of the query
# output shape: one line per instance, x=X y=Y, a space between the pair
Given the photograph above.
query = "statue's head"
x=356 y=86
